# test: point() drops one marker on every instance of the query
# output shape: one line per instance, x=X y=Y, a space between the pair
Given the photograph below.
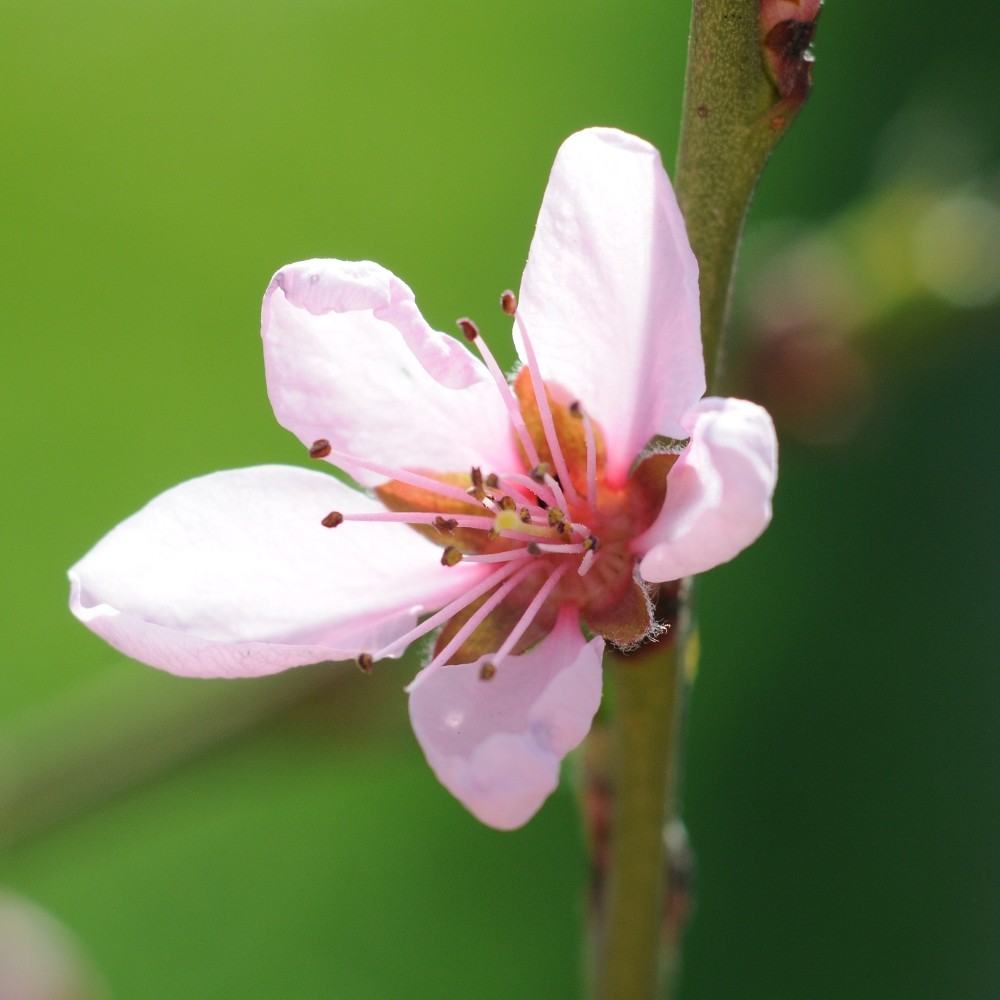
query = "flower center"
x=553 y=531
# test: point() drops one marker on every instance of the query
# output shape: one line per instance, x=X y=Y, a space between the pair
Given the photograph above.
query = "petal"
x=496 y=745
x=232 y=575
x=609 y=297
x=718 y=492
x=350 y=359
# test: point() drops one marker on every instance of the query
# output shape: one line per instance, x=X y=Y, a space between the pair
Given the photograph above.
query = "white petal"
x=232 y=575
x=496 y=745
x=718 y=492
x=609 y=297
x=350 y=359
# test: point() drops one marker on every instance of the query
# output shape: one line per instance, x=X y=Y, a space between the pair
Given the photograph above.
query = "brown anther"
x=365 y=663
x=508 y=302
x=525 y=515
x=533 y=549
x=591 y=544
x=320 y=448
x=476 y=490
x=468 y=328
x=556 y=517
x=487 y=671
x=540 y=471
x=507 y=503
x=451 y=556
x=492 y=481
x=332 y=519
x=446 y=525
x=575 y=409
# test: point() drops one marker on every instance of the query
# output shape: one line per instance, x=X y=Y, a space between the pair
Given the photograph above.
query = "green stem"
x=636 y=919
x=740 y=95
x=744 y=85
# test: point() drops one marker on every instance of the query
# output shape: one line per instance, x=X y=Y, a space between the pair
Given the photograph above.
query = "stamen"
x=544 y=411
x=448 y=611
x=320 y=448
x=590 y=545
x=530 y=613
x=480 y=615
x=563 y=548
x=553 y=484
x=529 y=483
x=496 y=557
x=346 y=460
x=471 y=332
x=467 y=327
x=588 y=432
x=451 y=556
x=445 y=525
x=333 y=519
x=476 y=489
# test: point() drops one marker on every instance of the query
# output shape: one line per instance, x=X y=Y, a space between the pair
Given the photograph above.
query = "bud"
x=786 y=31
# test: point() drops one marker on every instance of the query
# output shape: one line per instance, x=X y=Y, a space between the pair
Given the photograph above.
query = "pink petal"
x=609 y=297
x=232 y=575
x=496 y=745
x=718 y=492
x=350 y=359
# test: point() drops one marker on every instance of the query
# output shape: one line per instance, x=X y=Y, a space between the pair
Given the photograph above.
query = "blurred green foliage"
x=160 y=162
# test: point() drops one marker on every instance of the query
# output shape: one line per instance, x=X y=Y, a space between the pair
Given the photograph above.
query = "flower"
x=501 y=515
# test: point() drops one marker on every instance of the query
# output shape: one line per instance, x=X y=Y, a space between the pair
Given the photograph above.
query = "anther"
x=508 y=302
x=492 y=481
x=332 y=519
x=556 y=517
x=366 y=662
x=320 y=448
x=487 y=671
x=507 y=503
x=540 y=471
x=451 y=556
x=476 y=490
x=468 y=328
x=576 y=410
x=446 y=525
x=591 y=544
x=525 y=515
x=533 y=549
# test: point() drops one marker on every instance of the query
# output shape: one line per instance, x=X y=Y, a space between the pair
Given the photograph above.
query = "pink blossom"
x=500 y=517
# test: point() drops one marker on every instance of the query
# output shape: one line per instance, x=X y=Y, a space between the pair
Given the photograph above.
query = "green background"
x=159 y=161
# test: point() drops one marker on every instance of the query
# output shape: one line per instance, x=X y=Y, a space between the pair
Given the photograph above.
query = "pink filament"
x=544 y=412
x=530 y=613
